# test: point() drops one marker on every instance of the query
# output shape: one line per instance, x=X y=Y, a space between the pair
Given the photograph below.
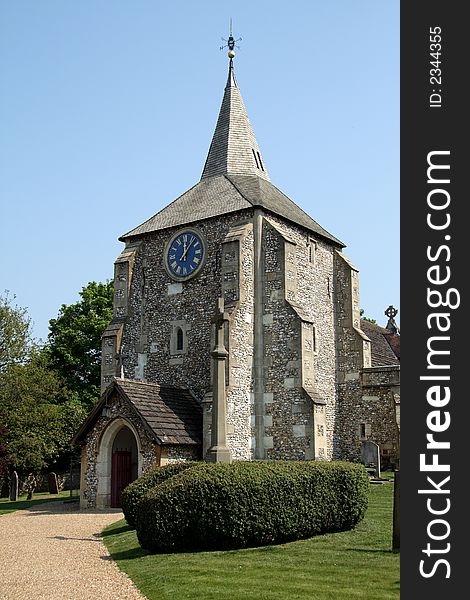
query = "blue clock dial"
x=185 y=254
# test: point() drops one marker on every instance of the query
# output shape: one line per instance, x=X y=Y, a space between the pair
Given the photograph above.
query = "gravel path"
x=54 y=551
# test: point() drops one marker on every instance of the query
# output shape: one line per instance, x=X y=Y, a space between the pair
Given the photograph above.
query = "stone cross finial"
x=220 y=315
x=391 y=312
x=219 y=319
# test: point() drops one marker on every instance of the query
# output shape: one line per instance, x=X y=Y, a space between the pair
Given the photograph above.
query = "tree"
x=5 y=459
x=46 y=392
x=39 y=413
x=15 y=332
x=367 y=318
x=39 y=416
x=74 y=342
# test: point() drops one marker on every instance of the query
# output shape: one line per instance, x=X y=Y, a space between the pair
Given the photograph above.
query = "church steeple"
x=234 y=178
x=234 y=149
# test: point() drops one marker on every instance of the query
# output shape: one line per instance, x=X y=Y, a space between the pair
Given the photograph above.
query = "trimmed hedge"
x=132 y=493
x=243 y=504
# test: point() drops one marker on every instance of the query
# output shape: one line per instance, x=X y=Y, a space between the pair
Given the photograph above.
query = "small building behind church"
x=236 y=333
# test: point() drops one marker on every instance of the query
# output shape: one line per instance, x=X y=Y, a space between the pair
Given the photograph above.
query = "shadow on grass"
x=25 y=504
x=124 y=554
x=117 y=530
x=127 y=554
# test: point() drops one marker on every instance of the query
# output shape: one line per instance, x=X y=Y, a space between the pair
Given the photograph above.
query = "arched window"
x=179 y=340
x=312 y=250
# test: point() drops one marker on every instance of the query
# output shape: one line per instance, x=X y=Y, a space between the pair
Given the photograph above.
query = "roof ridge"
x=227 y=177
x=172 y=386
x=118 y=380
x=383 y=330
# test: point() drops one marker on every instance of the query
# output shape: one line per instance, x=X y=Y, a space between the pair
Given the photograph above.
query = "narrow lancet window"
x=312 y=251
x=179 y=340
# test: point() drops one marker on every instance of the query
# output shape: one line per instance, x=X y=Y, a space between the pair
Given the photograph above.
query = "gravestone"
x=52 y=483
x=370 y=456
x=14 y=486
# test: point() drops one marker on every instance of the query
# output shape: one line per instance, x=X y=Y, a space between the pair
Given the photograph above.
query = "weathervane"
x=231 y=42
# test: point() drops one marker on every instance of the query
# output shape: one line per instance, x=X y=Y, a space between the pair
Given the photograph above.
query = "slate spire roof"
x=234 y=149
x=234 y=178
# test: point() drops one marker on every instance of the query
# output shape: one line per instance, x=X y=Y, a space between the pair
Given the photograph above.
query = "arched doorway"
x=119 y=436
x=123 y=465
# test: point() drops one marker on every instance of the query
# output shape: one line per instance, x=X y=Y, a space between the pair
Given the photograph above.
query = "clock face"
x=185 y=254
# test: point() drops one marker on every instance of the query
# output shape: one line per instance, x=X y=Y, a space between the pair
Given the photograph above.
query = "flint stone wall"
x=156 y=301
x=370 y=411
x=299 y=381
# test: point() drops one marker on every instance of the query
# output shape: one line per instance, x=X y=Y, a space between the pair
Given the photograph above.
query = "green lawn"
x=7 y=506
x=339 y=566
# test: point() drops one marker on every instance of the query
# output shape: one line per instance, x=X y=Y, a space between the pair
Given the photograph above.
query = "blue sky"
x=108 y=108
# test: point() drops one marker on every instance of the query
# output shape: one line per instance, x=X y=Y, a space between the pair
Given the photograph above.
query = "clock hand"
x=185 y=250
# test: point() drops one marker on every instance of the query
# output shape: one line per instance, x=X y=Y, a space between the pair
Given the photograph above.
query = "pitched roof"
x=234 y=178
x=385 y=346
x=170 y=414
x=223 y=194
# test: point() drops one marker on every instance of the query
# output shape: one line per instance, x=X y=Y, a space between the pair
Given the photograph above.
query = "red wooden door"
x=121 y=475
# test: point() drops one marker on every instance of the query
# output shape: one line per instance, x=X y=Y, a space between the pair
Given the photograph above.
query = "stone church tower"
x=290 y=294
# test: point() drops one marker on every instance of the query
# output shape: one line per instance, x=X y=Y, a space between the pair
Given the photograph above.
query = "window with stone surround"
x=312 y=250
x=364 y=431
x=179 y=337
